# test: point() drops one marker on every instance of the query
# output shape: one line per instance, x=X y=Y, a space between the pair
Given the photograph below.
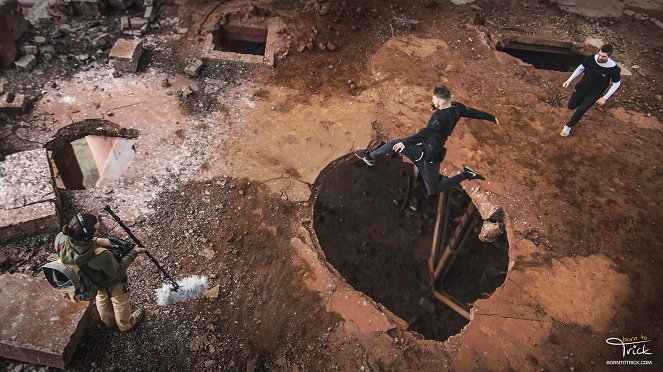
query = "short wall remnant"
x=28 y=199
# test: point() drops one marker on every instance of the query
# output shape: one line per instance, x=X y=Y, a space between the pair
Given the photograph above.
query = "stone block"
x=125 y=54
x=124 y=23
x=120 y=4
x=38 y=325
x=26 y=63
x=94 y=8
x=193 y=68
x=149 y=13
x=10 y=102
x=137 y=23
x=28 y=198
x=29 y=50
x=491 y=231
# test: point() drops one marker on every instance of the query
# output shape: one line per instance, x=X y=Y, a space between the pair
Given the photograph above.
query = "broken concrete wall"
x=38 y=325
x=12 y=26
x=28 y=199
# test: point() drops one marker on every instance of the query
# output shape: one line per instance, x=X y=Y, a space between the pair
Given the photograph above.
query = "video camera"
x=120 y=246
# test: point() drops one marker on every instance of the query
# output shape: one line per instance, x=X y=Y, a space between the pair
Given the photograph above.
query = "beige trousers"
x=116 y=308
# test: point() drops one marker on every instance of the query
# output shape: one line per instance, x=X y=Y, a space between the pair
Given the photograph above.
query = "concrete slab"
x=125 y=54
x=38 y=325
x=28 y=198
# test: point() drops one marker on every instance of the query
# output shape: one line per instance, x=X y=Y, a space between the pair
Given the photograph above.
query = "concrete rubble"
x=30 y=305
x=125 y=54
x=28 y=200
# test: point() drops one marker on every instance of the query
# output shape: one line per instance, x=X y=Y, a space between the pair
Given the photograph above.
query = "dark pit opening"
x=546 y=57
x=244 y=40
x=91 y=161
x=379 y=239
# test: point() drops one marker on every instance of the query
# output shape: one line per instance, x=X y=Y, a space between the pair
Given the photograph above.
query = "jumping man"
x=599 y=70
x=426 y=148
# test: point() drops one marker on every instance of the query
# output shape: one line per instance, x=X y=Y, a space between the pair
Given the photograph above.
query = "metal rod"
x=133 y=237
x=458 y=233
x=453 y=304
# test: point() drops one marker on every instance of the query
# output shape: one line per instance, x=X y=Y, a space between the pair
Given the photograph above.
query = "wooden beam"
x=457 y=235
x=459 y=246
x=441 y=200
x=453 y=304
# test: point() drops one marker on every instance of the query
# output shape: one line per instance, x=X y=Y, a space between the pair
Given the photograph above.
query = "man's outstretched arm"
x=472 y=113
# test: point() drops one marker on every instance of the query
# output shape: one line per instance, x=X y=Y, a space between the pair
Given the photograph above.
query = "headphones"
x=81 y=223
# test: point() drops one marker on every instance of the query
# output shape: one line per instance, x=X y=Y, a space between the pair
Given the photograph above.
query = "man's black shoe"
x=363 y=155
x=471 y=174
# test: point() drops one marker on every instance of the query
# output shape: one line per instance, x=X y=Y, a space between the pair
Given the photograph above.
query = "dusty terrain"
x=224 y=184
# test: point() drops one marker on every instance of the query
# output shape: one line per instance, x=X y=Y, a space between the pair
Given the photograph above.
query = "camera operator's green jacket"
x=106 y=270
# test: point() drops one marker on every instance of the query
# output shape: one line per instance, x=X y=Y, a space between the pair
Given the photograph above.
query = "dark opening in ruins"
x=91 y=161
x=379 y=235
x=547 y=57
x=238 y=39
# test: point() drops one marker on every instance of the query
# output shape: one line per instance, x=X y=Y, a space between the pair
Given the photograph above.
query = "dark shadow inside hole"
x=244 y=40
x=380 y=244
x=543 y=56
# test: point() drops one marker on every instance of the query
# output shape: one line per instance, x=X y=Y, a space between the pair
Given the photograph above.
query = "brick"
x=101 y=40
x=125 y=54
x=137 y=23
x=149 y=13
x=39 y=326
x=26 y=63
x=124 y=23
x=193 y=68
x=39 y=40
x=29 y=50
x=28 y=197
x=10 y=102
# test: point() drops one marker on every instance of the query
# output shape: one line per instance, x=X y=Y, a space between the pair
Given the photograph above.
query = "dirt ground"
x=226 y=179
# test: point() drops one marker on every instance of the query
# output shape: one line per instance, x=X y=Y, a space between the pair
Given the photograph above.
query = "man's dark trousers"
x=581 y=102
x=429 y=171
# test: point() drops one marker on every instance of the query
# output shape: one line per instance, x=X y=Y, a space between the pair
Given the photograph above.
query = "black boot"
x=471 y=174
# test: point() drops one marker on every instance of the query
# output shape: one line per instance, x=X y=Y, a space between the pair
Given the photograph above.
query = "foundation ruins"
x=223 y=133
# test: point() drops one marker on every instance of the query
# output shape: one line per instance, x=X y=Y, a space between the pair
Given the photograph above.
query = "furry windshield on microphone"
x=190 y=287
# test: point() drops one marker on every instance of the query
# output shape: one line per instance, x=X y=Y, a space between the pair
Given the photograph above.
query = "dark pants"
x=429 y=171
x=581 y=102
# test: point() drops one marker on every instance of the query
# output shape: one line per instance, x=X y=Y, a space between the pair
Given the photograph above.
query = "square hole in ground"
x=239 y=39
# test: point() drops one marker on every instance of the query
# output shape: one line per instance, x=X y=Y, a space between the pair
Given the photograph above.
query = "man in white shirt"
x=598 y=71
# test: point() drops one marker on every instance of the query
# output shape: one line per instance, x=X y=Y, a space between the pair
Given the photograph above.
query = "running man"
x=599 y=70
x=426 y=148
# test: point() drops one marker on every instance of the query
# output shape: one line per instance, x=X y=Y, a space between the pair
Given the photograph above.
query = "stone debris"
x=149 y=13
x=124 y=23
x=125 y=54
x=491 y=231
x=27 y=50
x=26 y=63
x=212 y=292
x=629 y=13
x=10 y=102
x=137 y=23
x=39 y=40
x=193 y=68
